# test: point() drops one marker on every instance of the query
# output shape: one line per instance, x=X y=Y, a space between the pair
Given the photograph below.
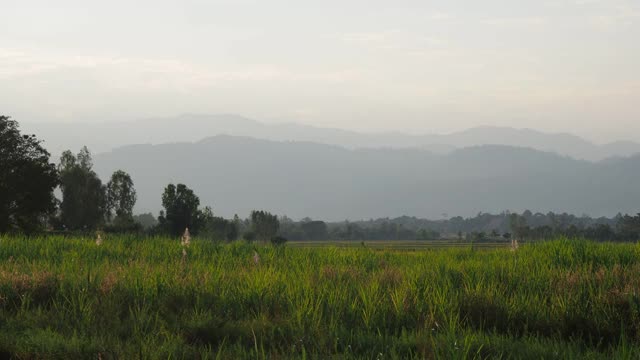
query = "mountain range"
x=236 y=174
x=107 y=136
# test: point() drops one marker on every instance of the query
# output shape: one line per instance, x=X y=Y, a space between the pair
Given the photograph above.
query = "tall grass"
x=129 y=297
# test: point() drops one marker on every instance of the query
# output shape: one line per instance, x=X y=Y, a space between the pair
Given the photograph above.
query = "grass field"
x=402 y=244
x=141 y=298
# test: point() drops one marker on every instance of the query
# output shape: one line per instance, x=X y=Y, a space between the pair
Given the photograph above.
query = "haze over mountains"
x=102 y=137
x=239 y=174
x=236 y=165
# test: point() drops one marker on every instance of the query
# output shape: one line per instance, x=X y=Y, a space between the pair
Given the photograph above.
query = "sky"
x=411 y=66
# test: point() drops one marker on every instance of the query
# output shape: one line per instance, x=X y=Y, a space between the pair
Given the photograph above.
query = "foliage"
x=146 y=220
x=386 y=228
x=315 y=230
x=629 y=227
x=121 y=197
x=563 y=299
x=249 y=236
x=84 y=198
x=27 y=180
x=217 y=228
x=518 y=226
x=308 y=229
x=264 y=225
x=124 y=226
x=278 y=240
x=483 y=227
x=181 y=210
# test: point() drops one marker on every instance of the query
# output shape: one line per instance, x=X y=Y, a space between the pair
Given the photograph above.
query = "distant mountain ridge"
x=104 y=137
x=298 y=179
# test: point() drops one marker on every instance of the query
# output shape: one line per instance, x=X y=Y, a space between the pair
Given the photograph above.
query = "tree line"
x=483 y=227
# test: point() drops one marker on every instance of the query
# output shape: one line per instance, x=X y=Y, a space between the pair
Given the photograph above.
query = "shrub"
x=278 y=240
x=249 y=236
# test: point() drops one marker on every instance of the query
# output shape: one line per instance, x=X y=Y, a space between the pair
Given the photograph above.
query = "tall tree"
x=315 y=230
x=27 y=179
x=121 y=197
x=216 y=227
x=629 y=227
x=180 y=210
x=84 y=197
x=518 y=225
x=264 y=225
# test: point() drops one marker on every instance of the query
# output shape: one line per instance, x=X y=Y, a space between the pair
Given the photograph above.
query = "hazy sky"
x=425 y=66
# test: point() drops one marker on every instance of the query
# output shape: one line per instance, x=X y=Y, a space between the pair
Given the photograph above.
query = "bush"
x=249 y=236
x=278 y=240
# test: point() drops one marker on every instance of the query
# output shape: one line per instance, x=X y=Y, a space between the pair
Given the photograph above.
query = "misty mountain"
x=239 y=174
x=101 y=137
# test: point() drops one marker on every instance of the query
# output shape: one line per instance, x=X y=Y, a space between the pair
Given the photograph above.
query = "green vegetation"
x=480 y=228
x=27 y=179
x=402 y=245
x=133 y=297
x=84 y=198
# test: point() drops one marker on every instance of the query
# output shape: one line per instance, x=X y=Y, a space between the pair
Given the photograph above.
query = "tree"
x=147 y=220
x=629 y=227
x=518 y=225
x=84 y=197
x=278 y=240
x=181 y=210
x=218 y=228
x=121 y=197
x=27 y=180
x=264 y=225
x=315 y=230
x=238 y=224
x=428 y=234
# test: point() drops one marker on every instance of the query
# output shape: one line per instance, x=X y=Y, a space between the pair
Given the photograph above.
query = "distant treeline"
x=483 y=227
x=28 y=205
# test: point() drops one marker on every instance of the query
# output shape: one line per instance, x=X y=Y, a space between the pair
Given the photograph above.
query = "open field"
x=141 y=298
x=402 y=244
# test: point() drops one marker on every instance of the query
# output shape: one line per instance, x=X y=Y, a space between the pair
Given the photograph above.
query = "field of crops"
x=143 y=298
x=403 y=244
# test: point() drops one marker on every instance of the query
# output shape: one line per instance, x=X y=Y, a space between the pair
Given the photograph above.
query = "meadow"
x=401 y=245
x=142 y=298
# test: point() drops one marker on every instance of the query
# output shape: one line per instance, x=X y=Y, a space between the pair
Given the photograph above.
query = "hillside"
x=238 y=174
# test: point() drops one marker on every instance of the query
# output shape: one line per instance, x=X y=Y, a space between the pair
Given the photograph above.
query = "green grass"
x=401 y=244
x=138 y=298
